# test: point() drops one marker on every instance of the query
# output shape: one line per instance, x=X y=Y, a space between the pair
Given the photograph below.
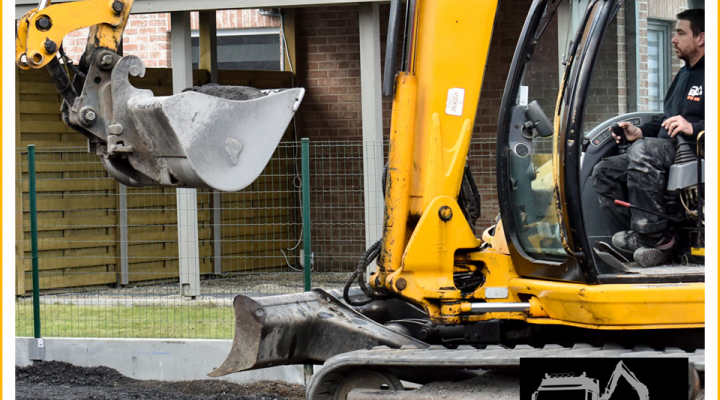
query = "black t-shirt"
x=686 y=97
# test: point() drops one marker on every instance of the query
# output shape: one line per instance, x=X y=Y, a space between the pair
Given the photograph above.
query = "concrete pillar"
x=208 y=62
x=188 y=248
x=371 y=92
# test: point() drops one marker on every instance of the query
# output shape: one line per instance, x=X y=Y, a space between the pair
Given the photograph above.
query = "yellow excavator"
x=442 y=302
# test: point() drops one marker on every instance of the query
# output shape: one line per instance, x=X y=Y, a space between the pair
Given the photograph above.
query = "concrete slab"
x=153 y=359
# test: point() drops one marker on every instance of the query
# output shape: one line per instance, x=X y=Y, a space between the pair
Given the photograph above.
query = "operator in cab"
x=640 y=175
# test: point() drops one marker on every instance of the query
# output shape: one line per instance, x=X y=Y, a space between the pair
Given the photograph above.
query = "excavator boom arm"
x=621 y=370
x=42 y=30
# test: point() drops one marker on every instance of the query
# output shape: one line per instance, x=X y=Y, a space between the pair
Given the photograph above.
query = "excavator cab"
x=564 y=94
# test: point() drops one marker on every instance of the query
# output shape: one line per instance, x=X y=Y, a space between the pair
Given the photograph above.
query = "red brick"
x=148 y=31
x=337 y=40
x=336 y=56
x=316 y=74
x=339 y=73
x=349 y=98
x=349 y=81
x=349 y=65
x=317 y=40
x=327 y=49
x=326 y=32
x=328 y=65
x=129 y=47
x=317 y=57
x=136 y=22
x=329 y=98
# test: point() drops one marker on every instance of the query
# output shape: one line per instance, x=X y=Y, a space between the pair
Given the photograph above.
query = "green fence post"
x=37 y=346
x=34 y=241
x=307 y=252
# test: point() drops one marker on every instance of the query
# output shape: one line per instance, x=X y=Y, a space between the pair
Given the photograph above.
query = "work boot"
x=626 y=241
x=658 y=254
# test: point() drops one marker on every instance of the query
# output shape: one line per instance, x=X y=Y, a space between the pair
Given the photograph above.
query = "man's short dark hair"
x=696 y=18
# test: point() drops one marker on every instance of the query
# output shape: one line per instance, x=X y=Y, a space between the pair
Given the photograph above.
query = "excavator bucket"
x=218 y=137
x=305 y=328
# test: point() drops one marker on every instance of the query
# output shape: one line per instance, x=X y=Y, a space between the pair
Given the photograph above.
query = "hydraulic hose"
x=370 y=254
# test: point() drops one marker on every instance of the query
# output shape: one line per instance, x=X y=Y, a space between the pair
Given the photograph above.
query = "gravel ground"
x=62 y=381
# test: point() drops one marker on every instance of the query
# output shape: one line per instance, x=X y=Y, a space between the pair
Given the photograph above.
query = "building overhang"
x=163 y=6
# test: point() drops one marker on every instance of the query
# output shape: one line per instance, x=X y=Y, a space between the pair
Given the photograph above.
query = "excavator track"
x=384 y=365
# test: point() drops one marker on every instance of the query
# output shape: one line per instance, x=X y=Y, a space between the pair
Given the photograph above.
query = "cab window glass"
x=532 y=147
x=636 y=63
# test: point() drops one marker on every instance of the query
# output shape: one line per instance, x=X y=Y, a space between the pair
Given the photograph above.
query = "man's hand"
x=677 y=124
x=632 y=132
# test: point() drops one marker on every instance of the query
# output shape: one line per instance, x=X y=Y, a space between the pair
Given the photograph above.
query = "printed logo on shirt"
x=695 y=93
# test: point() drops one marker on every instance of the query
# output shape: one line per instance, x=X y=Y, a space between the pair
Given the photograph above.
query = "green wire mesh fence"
x=108 y=254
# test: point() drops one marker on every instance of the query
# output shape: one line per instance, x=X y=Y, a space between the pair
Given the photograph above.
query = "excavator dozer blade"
x=303 y=328
x=217 y=137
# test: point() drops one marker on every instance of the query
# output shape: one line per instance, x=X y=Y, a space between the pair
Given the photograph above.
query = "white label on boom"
x=455 y=99
x=496 y=293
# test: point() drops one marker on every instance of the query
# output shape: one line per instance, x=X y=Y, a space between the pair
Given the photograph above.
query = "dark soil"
x=62 y=381
x=228 y=92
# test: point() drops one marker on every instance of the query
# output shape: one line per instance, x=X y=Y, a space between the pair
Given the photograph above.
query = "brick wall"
x=604 y=99
x=328 y=48
x=665 y=9
x=148 y=35
x=328 y=58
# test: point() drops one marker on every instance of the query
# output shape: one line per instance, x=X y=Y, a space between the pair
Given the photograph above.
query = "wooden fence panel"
x=78 y=204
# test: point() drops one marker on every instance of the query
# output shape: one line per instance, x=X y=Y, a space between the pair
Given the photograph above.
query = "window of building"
x=256 y=49
x=659 y=62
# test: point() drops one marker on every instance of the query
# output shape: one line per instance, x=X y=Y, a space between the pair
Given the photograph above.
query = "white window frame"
x=664 y=53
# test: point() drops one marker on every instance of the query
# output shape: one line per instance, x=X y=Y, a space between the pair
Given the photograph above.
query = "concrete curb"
x=153 y=359
x=136 y=301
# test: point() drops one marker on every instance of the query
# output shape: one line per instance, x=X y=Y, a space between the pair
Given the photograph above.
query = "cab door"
x=539 y=145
